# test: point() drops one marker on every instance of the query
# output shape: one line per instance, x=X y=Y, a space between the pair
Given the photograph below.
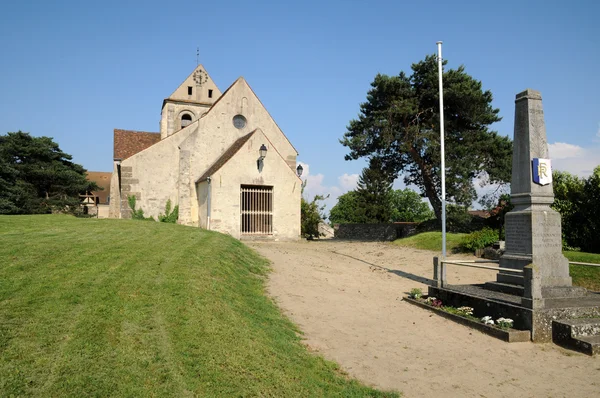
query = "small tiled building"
x=96 y=202
x=219 y=156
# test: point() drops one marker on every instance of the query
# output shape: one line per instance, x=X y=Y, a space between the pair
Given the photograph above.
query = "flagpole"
x=443 y=163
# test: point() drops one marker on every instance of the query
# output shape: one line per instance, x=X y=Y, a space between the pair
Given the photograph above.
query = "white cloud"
x=348 y=182
x=565 y=157
x=562 y=150
x=483 y=187
x=315 y=186
x=313 y=182
x=574 y=159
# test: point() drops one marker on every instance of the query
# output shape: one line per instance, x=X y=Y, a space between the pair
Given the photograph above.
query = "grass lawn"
x=430 y=241
x=128 y=308
x=585 y=276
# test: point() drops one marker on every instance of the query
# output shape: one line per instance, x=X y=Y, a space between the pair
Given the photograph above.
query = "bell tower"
x=188 y=102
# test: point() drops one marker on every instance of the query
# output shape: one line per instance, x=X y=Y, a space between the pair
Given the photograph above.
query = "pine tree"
x=373 y=191
x=36 y=176
x=399 y=124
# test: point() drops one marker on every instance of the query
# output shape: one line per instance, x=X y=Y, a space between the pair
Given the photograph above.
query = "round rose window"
x=239 y=121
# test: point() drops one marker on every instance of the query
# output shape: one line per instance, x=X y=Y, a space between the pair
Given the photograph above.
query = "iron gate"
x=256 y=208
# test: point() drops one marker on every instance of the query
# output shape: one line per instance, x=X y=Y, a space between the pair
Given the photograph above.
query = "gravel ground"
x=347 y=299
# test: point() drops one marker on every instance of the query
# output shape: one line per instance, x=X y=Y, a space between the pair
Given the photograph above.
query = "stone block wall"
x=375 y=232
x=126 y=181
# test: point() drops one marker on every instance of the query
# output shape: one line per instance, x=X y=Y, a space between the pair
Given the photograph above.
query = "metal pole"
x=208 y=179
x=443 y=164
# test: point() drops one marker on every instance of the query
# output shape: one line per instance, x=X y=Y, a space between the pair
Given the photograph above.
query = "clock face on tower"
x=200 y=77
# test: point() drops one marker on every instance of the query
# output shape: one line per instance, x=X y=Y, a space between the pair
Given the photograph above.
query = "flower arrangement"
x=504 y=323
x=465 y=310
x=436 y=303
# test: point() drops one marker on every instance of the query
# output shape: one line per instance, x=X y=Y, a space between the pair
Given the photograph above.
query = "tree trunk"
x=428 y=183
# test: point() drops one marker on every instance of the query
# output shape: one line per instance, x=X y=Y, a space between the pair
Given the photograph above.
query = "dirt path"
x=346 y=297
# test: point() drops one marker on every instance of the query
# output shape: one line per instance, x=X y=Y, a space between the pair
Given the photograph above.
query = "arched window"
x=186 y=120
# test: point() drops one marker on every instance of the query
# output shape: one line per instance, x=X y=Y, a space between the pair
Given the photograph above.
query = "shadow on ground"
x=408 y=275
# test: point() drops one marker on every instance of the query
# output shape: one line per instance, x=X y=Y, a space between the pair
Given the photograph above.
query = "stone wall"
x=375 y=232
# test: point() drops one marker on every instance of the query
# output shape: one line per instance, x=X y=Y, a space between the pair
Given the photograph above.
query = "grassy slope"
x=588 y=277
x=126 y=308
x=430 y=241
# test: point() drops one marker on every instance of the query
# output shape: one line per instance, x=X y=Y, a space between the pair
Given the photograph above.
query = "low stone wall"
x=374 y=232
x=103 y=211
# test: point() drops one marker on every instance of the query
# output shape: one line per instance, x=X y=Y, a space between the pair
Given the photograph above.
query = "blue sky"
x=75 y=70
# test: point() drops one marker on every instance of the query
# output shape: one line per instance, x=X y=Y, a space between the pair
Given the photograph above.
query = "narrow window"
x=209 y=93
x=186 y=120
x=189 y=90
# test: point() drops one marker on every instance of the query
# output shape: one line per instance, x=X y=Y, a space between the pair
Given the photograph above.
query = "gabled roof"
x=241 y=80
x=199 y=82
x=228 y=154
x=129 y=142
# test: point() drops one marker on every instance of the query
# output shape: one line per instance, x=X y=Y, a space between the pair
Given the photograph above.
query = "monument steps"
x=590 y=344
x=508 y=288
x=580 y=334
x=564 y=292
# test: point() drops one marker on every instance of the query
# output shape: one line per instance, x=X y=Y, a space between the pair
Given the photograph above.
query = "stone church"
x=219 y=156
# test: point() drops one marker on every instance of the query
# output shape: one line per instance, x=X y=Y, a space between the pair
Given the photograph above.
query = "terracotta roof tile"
x=129 y=142
x=102 y=179
x=479 y=213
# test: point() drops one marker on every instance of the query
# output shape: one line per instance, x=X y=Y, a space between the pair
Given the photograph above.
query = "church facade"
x=219 y=156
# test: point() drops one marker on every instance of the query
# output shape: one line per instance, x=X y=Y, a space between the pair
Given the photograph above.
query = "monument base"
x=533 y=236
x=526 y=317
x=516 y=262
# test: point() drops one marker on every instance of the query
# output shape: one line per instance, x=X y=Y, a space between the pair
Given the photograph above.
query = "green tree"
x=311 y=214
x=373 y=192
x=9 y=191
x=399 y=124
x=578 y=202
x=36 y=176
x=407 y=206
x=346 y=210
x=498 y=214
x=591 y=207
x=568 y=201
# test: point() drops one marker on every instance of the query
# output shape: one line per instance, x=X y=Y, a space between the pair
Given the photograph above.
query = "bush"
x=137 y=214
x=169 y=216
x=311 y=214
x=478 y=240
x=458 y=220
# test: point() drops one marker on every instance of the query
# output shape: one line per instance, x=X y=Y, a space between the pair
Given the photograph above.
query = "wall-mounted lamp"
x=299 y=170
x=262 y=151
x=263 y=154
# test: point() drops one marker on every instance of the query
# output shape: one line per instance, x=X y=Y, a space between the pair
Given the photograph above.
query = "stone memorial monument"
x=533 y=286
x=533 y=229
